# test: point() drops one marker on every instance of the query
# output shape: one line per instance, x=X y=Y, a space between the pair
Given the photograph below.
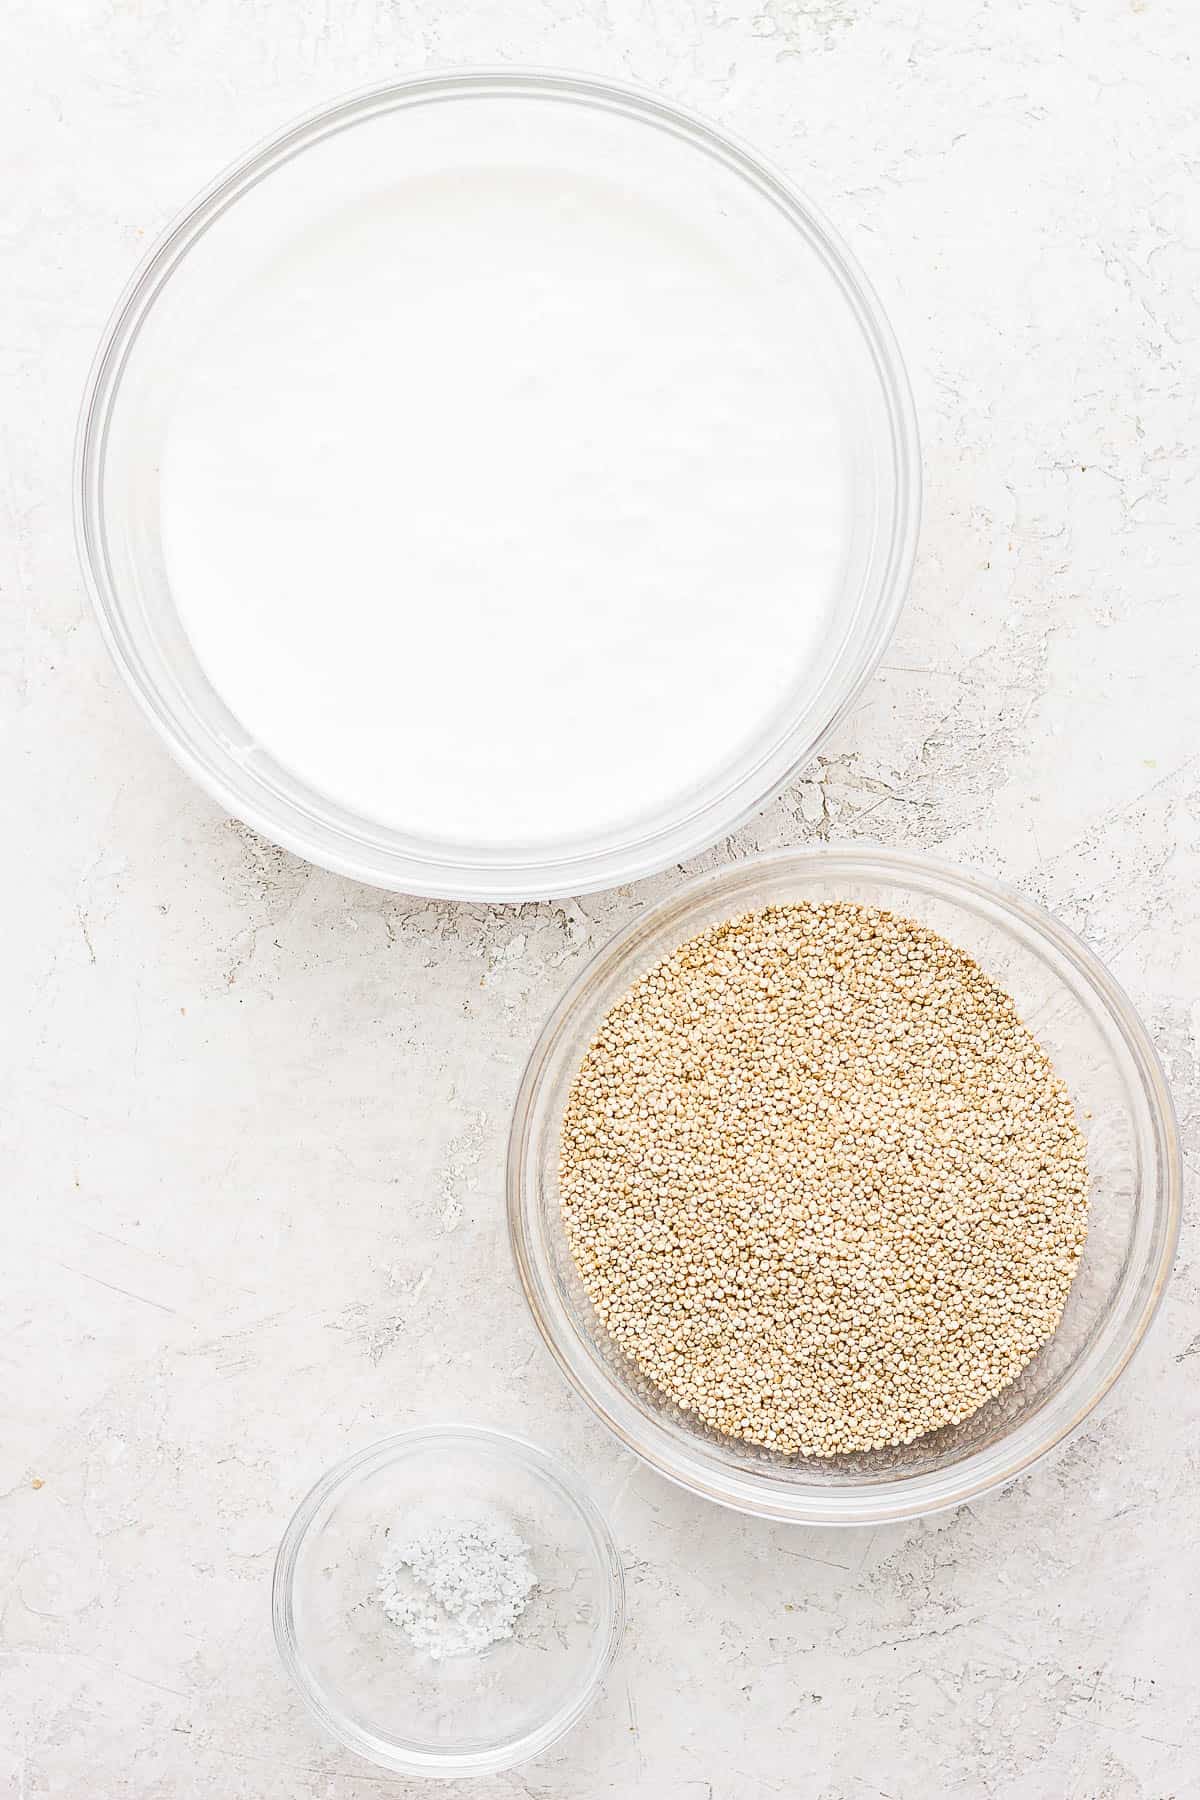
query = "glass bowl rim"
x=394 y=1754
x=332 y=838
x=889 y=1499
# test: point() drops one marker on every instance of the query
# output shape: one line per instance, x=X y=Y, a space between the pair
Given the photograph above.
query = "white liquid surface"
x=507 y=508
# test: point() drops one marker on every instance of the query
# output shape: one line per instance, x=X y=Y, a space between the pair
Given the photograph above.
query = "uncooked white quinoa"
x=821 y=1184
x=455 y=1585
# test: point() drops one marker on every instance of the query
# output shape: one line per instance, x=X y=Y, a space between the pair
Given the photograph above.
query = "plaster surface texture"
x=254 y=1116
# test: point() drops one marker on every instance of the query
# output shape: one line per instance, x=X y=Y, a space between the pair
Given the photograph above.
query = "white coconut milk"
x=506 y=508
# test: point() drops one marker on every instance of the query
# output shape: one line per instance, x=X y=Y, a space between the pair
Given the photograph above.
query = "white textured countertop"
x=254 y=1116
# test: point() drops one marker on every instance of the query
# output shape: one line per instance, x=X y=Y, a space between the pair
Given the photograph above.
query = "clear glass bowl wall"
x=1099 y=1047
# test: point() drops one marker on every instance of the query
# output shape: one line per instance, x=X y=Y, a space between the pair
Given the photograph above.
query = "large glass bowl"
x=1100 y=1048
x=322 y=168
x=468 y=1714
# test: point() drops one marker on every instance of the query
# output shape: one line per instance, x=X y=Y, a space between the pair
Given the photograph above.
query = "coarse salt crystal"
x=455 y=1584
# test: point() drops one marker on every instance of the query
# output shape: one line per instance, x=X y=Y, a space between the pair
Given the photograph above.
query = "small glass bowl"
x=465 y=1714
x=1100 y=1048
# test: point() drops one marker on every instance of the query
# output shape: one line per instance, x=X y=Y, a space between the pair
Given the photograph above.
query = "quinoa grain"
x=821 y=1184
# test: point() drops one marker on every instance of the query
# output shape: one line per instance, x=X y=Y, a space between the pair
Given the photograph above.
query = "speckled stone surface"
x=254 y=1116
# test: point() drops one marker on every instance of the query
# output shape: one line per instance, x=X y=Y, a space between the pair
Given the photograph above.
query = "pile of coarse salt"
x=455 y=1584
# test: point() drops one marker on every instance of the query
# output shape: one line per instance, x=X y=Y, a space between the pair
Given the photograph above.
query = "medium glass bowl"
x=322 y=167
x=465 y=1714
x=1099 y=1047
